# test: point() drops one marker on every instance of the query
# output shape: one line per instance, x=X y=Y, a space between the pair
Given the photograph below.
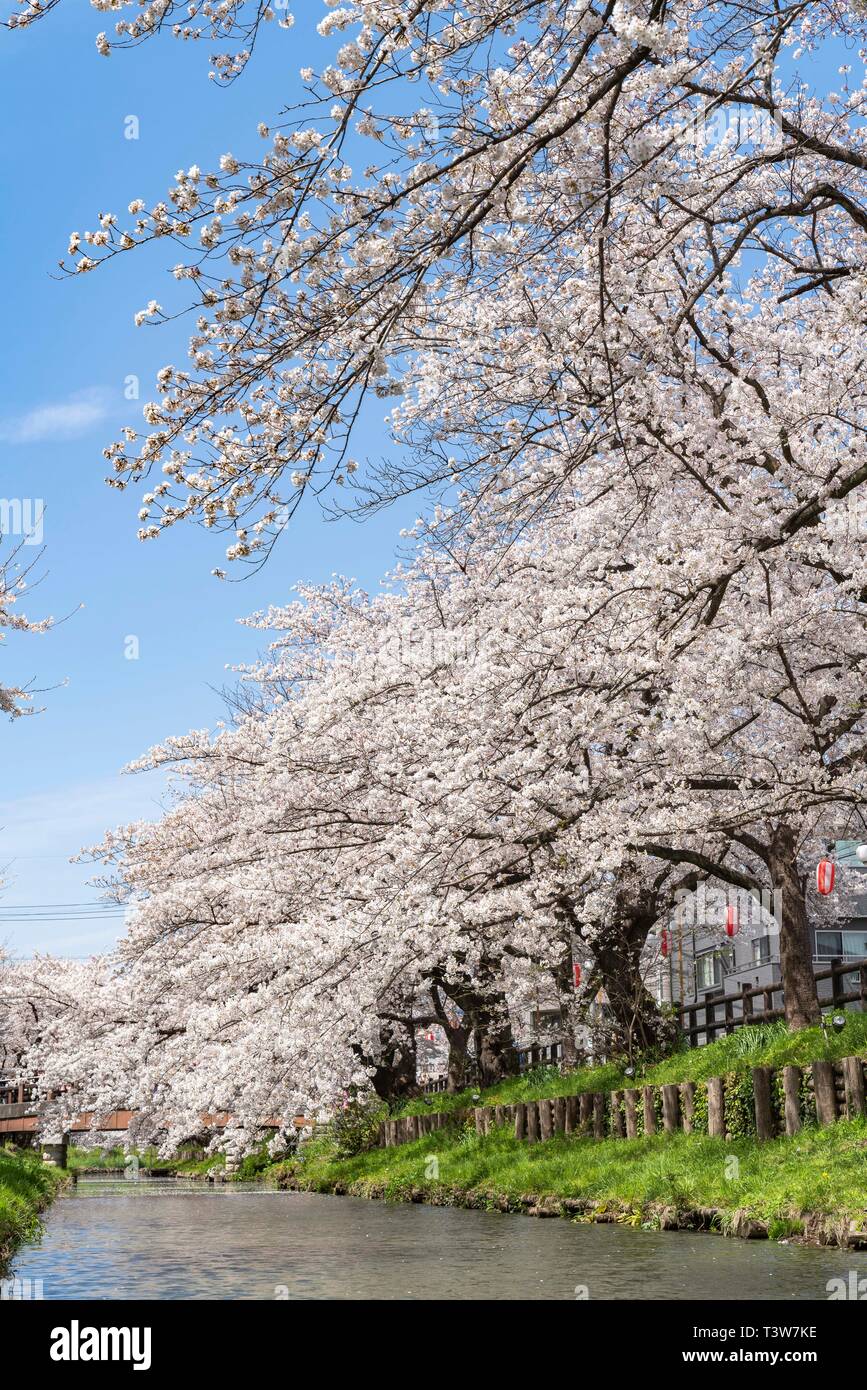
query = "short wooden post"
x=835 y=964
x=559 y=1108
x=762 y=1102
x=499 y=1116
x=853 y=1075
x=598 y=1115
x=670 y=1109
x=649 y=1110
x=571 y=1121
x=629 y=1103
x=716 y=1108
x=480 y=1119
x=825 y=1092
x=687 y=1105
x=617 y=1129
x=546 y=1119
x=585 y=1111
x=520 y=1120
x=532 y=1122
x=792 y=1098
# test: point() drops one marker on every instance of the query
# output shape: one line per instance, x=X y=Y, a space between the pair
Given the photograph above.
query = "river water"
x=173 y=1239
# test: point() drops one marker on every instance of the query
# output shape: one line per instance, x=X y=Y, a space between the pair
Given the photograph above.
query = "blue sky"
x=66 y=351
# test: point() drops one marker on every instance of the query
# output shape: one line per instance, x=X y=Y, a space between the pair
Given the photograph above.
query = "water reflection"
x=166 y=1239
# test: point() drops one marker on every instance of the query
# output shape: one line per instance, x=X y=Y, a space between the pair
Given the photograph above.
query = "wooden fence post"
x=585 y=1111
x=616 y=1116
x=716 y=1108
x=598 y=1115
x=629 y=1103
x=532 y=1122
x=520 y=1120
x=746 y=1003
x=558 y=1106
x=853 y=1074
x=762 y=1102
x=792 y=1094
x=670 y=1108
x=649 y=1110
x=687 y=1105
x=571 y=1123
x=825 y=1091
x=546 y=1119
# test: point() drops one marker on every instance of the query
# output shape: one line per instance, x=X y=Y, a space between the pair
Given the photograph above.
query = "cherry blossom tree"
x=622 y=338
x=14 y=700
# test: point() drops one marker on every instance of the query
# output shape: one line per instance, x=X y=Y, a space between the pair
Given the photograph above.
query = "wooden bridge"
x=19 y=1118
x=20 y=1121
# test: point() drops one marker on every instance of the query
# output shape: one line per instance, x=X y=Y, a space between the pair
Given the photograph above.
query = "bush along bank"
x=810 y=1188
x=27 y=1186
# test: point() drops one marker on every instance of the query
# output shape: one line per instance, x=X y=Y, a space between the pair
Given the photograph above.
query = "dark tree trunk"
x=496 y=1056
x=458 y=1039
x=394 y=1077
x=564 y=981
x=486 y=1019
x=796 y=950
x=635 y=1015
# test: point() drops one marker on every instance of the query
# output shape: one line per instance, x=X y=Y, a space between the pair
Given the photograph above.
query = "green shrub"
x=355 y=1125
x=700 y=1120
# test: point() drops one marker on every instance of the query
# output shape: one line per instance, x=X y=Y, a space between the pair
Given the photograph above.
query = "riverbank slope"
x=27 y=1186
x=811 y=1187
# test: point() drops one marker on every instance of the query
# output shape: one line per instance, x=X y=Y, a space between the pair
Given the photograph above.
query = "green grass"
x=760 y=1045
x=26 y=1186
x=821 y=1172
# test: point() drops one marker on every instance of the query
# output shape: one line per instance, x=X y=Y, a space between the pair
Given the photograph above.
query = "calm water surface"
x=170 y=1239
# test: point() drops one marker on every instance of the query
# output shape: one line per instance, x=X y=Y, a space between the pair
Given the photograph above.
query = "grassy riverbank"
x=763 y=1045
x=812 y=1186
x=26 y=1188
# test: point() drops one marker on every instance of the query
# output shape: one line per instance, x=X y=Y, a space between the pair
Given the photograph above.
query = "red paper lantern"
x=733 y=925
x=576 y=974
x=825 y=873
x=665 y=941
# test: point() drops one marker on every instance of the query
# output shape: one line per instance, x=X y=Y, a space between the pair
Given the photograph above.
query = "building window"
x=761 y=950
x=851 y=944
x=711 y=968
x=546 y=1020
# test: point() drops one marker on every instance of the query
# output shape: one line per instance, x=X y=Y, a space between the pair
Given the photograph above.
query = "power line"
x=107 y=907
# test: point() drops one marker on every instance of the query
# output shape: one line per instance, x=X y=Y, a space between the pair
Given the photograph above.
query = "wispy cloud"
x=57 y=420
